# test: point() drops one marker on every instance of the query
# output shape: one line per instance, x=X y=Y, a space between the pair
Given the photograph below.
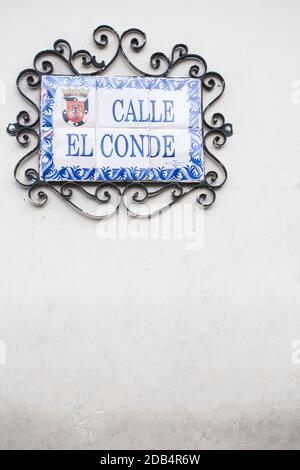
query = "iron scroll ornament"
x=26 y=127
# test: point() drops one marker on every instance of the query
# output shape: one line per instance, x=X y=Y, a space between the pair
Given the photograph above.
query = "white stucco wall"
x=153 y=343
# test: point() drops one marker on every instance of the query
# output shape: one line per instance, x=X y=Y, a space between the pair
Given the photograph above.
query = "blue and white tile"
x=57 y=85
x=177 y=153
x=74 y=148
x=122 y=102
x=177 y=103
x=122 y=153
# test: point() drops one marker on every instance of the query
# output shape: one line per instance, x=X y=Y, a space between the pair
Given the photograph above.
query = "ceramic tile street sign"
x=121 y=129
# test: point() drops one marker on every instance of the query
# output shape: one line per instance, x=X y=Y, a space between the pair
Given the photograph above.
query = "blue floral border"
x=192 y=172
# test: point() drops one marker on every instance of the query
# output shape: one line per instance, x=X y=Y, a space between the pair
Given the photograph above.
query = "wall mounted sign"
x=132 y=136
x=120 y=128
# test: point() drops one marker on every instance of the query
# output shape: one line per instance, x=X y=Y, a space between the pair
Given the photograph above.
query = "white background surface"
x=149 y=344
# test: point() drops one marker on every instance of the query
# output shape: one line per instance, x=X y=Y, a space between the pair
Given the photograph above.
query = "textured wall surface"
x=122 y=343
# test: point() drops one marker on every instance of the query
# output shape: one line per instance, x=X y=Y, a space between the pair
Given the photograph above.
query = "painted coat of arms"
x=75 y=106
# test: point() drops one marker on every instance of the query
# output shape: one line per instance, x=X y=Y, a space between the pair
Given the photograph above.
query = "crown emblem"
x=75 y=105
x=75 y=92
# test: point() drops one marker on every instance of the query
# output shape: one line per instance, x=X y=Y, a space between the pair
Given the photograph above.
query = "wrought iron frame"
x=27 y=123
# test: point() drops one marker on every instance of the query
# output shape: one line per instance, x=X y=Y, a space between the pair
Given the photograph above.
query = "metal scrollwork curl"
x=112 y=194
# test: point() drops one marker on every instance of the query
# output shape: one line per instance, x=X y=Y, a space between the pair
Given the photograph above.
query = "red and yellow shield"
x=75 y=107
